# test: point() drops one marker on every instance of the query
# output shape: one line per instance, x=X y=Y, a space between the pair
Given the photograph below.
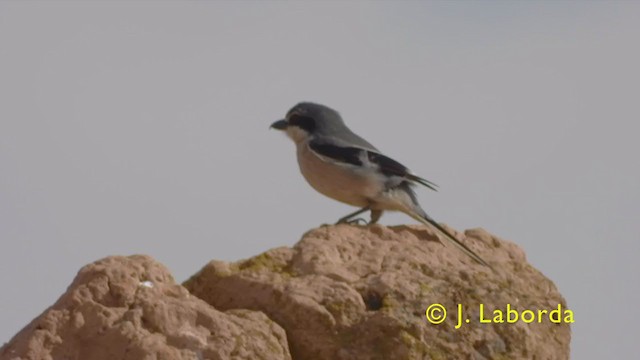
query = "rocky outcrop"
x=342 y=292
x=131 y=308
x=350 y=292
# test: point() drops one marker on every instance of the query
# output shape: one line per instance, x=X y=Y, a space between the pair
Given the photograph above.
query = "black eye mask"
x=303 y=122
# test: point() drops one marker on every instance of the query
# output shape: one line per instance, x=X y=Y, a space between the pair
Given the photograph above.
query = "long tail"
x=425 y=219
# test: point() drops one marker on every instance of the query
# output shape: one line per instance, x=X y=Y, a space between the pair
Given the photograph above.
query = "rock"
x=350 y=292
x=131 y=308
x=342 y=292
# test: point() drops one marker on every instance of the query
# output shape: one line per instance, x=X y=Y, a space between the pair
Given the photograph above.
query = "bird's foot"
x=356 y=221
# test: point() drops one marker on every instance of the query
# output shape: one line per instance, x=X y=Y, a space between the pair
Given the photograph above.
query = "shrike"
x=345 y=167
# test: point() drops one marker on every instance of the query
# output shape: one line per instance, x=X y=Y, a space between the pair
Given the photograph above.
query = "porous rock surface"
x=131 y=308
x=352 y=292
x=342 y=292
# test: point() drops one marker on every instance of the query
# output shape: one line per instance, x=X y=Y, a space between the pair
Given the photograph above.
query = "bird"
x=343 y=166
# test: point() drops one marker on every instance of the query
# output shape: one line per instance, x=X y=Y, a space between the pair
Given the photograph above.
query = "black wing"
x=388 y=166
x=355 y=155
x=349 y=155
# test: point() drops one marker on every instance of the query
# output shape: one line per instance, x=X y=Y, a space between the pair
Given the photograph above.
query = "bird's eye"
x=303 y=122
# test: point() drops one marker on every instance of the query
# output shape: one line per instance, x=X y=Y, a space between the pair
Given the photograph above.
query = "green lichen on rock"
x=266 y=262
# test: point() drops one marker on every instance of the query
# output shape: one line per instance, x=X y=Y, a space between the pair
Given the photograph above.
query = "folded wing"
x=356 y=156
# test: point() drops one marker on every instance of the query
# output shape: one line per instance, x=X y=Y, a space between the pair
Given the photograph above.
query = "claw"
x=357 y=221
x=347 y=219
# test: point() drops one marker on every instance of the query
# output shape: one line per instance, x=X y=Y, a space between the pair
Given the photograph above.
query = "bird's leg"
x=347 y=219
x=375 y=216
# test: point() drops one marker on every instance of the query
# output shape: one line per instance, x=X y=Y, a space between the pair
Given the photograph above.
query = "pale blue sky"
x=141 y=127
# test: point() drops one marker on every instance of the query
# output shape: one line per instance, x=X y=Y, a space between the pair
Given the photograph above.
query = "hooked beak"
x=280 y=124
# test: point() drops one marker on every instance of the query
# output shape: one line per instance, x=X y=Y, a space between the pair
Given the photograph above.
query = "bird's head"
x=307 y=119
